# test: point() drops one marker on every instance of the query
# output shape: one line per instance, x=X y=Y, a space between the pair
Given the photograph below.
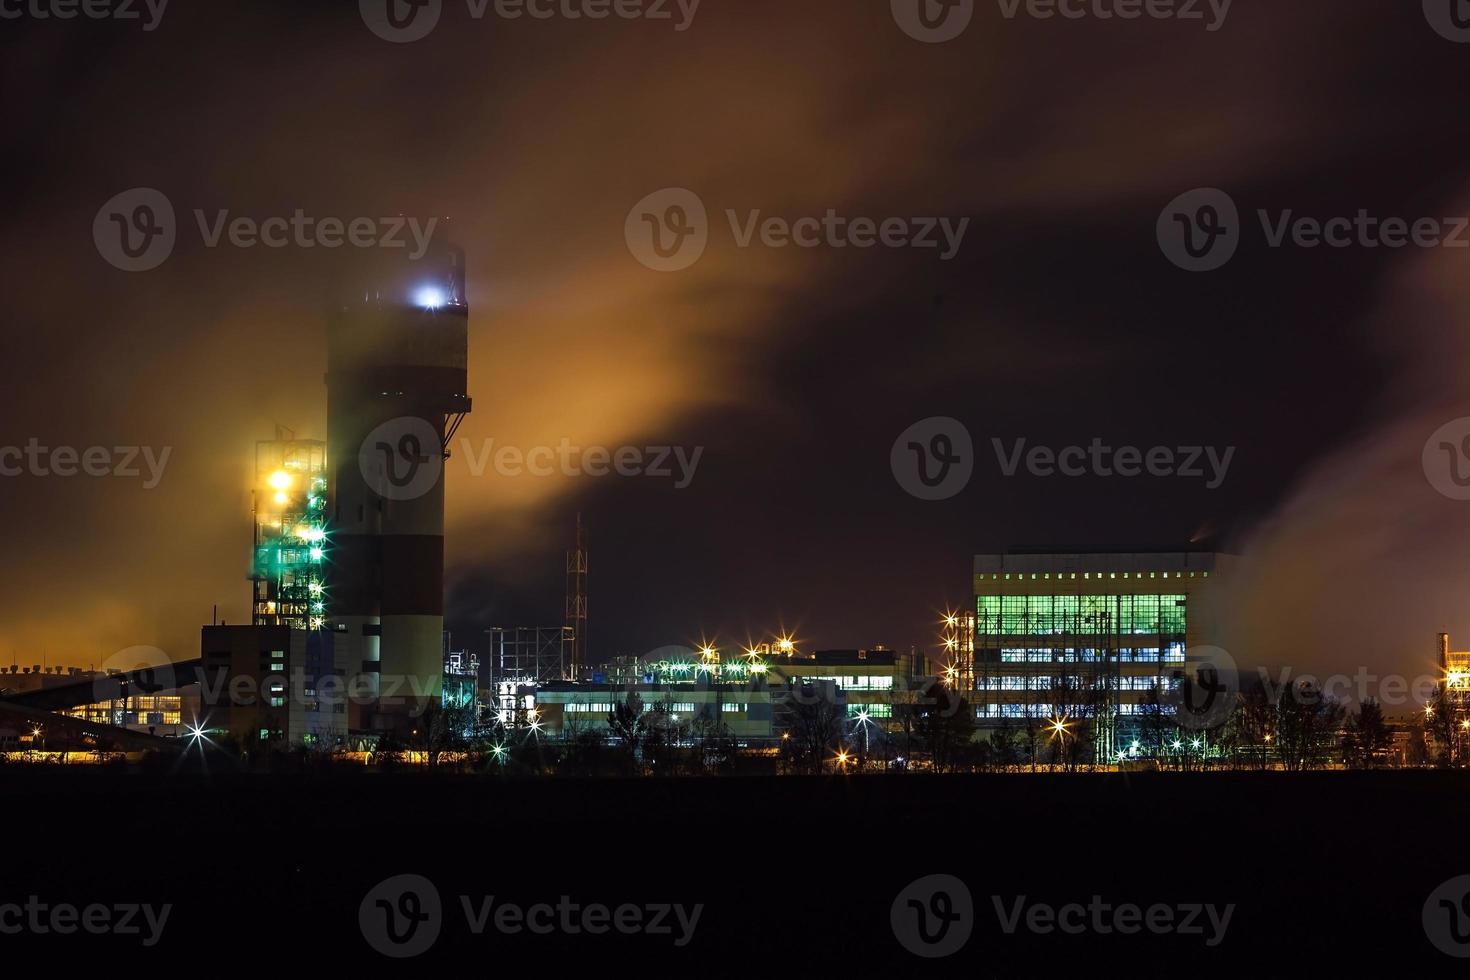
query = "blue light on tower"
x=429 y=297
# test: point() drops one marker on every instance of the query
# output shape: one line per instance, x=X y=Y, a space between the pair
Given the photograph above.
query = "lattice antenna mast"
x=576 y=611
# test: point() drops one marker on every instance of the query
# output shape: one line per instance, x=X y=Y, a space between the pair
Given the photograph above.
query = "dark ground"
x=797 y=875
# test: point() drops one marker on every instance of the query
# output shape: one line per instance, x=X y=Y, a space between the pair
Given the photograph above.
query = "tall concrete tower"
x=397 y=360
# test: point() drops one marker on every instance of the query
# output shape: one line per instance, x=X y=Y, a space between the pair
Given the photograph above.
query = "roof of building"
x=838 y=658
x=1097 y=561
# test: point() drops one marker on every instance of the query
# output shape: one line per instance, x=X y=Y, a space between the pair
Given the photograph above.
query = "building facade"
x=1094 y=638
x=752 y=698
x=275 y=685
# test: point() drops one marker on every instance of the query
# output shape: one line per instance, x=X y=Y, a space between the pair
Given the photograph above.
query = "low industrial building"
x=748 y=698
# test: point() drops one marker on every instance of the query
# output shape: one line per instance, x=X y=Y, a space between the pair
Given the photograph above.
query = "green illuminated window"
x=1116 y=614
x=1038 y=611
x=1172 y=609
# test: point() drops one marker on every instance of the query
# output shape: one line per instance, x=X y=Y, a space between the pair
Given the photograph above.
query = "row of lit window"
x=1021 y=576
x=875 y=682
x=1028 y=683
x=1172 y=653
x=1043 y=711
x=1035 y=615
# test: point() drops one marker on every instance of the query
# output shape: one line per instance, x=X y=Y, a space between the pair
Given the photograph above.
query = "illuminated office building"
x=1094 y=638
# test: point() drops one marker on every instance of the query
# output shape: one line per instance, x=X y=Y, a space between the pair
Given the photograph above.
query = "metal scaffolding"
x=529 y=654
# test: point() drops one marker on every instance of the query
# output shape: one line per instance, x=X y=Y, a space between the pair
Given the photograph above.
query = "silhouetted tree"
x=1307 y=723
x=815 y=725
x=1365 y=736
x=945 y=724
x=1439 y=725
x=1003 y=751
x=627 y=722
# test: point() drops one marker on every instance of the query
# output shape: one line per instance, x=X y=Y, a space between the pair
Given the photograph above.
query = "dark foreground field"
x=796 y=876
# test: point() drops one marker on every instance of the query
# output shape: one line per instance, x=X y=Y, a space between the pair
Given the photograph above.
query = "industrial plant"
x=1087 y=660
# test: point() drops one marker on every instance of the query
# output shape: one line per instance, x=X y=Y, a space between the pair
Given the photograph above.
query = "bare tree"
x=815 y=724
x=1307 y=725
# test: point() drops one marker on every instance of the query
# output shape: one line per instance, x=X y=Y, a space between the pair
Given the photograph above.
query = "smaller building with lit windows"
x=275 y=685
x=750 y=696
x=166 y=715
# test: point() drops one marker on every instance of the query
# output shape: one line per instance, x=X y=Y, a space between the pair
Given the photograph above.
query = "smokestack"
x=397 y=360
x=1444 y=651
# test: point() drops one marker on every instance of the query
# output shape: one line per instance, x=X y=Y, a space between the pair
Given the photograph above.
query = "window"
x=1016 y=615
x=987 y=614
x=1145 y=614
x=1013 y=614
x=1172 y=610
x=1038 y=612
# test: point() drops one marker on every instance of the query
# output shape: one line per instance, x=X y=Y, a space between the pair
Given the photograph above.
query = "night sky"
x=1059 y=320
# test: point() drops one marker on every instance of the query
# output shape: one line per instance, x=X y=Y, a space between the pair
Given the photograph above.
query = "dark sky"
x=1060 y=319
